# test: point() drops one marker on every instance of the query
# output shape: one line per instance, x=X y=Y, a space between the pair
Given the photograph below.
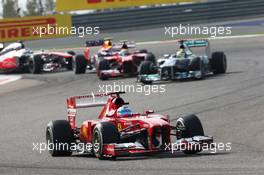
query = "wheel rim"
x=181 y=128
x=74 y=65
x=30 y=66
x=97 y=141
x=49 y=141
x=202 y=70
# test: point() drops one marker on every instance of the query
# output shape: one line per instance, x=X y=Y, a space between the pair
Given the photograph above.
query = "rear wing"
x=197 y=43
x=86 y=101
x=92 y=100
x=94 y=43
x=118 y=45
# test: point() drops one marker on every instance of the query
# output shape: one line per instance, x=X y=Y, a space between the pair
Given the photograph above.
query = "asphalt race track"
x=231 y=108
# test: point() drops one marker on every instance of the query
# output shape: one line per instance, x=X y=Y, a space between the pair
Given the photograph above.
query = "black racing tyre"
x=69 y=63
x=146 y=68
x=194 y=64
x=151 y=57
x=104 y=133
x=80 y=64
x=35 y=64
x=219 y=63
x=200 y=67
x=24 y=64
x=103 y=65
x=190 y=126
x=143 y=51
x=71 y=52
x=143 y=81
x=60 y=135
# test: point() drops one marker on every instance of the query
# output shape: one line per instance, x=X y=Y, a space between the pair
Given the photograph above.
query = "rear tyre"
x=104 y=133
x=219 y=63
x=103 y=65
x=59 y=137
x=80 y=64
x=190 y=126
x=35 y=64
x=201 y=68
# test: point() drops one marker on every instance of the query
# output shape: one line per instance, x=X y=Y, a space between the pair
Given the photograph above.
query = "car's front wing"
x=126 y=149
x=176 y=76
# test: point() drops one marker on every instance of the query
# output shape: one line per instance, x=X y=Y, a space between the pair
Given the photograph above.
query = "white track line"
x=173 y=41
x=212 y=38
x=9 y=78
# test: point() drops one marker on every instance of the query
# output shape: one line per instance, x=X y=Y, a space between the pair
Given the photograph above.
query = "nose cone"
x=8 y=63
x=155 y=120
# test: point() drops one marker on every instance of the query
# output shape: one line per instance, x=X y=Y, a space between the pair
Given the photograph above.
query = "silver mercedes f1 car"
x=185 y=64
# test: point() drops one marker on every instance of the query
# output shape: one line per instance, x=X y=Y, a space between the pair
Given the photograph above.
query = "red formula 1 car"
x=112 y=60
x=15 y=57
x=120 y=132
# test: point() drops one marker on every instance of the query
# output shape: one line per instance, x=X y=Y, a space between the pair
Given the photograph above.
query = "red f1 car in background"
x=121 y=132
x=112 y=59
x=15 y=57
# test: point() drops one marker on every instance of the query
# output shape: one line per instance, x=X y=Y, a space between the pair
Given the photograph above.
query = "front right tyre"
x=190 y=126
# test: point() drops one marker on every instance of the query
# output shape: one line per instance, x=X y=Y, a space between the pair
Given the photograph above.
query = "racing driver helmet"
x=181 y=52
x=107 y=45
x=124 y=111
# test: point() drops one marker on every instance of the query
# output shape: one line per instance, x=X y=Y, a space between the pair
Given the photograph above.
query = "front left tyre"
x=104 y=133
x=103 y=65
x=146 y=68
x=80 y=64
